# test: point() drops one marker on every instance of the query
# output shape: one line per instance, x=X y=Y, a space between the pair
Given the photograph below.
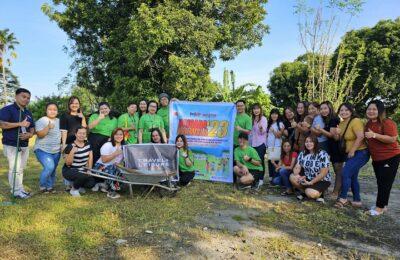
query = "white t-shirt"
x=272 y=140
x=108 y=149
x=51 y=143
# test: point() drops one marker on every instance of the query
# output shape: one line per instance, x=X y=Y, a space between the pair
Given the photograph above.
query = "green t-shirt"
x=105 y=126
x=252 y=153
x=125 y=121
x=164 y=113
x=244 y=121
x=182 y=164
x=148 y=122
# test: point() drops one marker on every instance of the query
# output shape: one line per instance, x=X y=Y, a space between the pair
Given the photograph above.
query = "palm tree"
x=228 y=92
x=7 y=47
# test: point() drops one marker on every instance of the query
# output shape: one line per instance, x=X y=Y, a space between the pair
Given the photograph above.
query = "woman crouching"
x=110 y=156
x=315 y=163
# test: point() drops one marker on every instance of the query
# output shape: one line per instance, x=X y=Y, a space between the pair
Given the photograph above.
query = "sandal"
x=339 y=204
x=375 y=213
x=286 y=193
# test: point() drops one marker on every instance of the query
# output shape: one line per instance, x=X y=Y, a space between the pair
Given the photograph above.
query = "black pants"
x=78 y=179
x=261 y=152
x=185 y=178
x=96 y=142
x=385 y=172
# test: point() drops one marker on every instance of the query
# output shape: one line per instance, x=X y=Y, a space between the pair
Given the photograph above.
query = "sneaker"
x=22 y=195
x=26 y=193
x=105 y=190
x=74 y=193
x=82 y=190
x=113 y=195
x=244 y=187
x=320 y=200
x=95 y=188
x=103 y=187
x=260 y=183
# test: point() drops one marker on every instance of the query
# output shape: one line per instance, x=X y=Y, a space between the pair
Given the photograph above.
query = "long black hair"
x=350 y=107
x=331 y=114
x=300 y=118
x=253 y=117
x=159 y=133
x=279 y=120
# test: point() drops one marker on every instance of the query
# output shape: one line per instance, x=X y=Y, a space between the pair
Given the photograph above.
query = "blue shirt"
x=319 y=121
x=10 y=114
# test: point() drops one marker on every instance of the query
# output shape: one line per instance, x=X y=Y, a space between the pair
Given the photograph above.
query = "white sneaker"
x=82 y=190
x=74 y=193
x=95 y=188
x=320 y=200
x=113 y=195
x=21 y=195
x=260 y=183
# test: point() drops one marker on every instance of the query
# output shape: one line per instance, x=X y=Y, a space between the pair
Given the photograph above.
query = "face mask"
x=179 y=144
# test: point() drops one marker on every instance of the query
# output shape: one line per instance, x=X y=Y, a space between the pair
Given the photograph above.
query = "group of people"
x=96 y=144
x=301 y=145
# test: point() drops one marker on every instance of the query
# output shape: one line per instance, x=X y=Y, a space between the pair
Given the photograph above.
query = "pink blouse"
x=259 y=136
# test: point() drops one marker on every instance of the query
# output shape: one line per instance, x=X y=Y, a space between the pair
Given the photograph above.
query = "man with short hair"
x=243 y=123
x=163 y=111
x=248 y=168
x=18 y=126
x=129 y=122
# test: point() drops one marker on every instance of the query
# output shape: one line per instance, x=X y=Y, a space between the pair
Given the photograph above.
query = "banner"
x=208 y=128
x=156 y=159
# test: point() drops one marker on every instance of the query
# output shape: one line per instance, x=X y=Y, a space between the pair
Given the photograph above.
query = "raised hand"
x=370 y=134
x=25 y=123
x=50 y=125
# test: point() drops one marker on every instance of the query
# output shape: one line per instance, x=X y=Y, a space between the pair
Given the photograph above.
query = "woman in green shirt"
x=186 y=161
x=150 y=121
x=101 y=125
x=129 y=123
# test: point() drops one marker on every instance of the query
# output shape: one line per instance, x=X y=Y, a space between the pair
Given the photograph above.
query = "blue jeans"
x=49 y=161
x=282 y=178
x=350 y=174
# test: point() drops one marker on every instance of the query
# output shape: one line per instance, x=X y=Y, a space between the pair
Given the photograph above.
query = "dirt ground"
x=250 y=227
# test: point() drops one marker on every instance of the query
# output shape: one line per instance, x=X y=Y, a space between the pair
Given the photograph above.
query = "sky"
x=42 y=62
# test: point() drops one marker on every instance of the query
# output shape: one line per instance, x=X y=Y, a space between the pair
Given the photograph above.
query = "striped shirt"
x=81 y=156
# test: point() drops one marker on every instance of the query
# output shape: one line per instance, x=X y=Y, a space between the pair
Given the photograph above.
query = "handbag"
x=273 y=153
x=342 y=141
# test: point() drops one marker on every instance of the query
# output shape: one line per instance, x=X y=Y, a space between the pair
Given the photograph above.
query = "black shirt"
x=290 y=129
x=70 y=123
x=334 y=150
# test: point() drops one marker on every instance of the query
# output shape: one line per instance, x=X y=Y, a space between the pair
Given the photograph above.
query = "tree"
x=379 y=69
x=250 y=92
x=7 y=47
x=328 y=79
x=287 y=81
x=12 y=85
x=141 y=48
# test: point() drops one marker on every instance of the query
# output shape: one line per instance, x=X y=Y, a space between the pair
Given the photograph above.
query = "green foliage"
x=286 y=81
x=133 y=49
x=8 y=80
x=252 y=93
x=379 y=69
x=38 y=107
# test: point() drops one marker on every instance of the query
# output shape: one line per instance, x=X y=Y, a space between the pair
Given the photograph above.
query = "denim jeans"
x=282 y=178
x=49 y=161
x=350 y=174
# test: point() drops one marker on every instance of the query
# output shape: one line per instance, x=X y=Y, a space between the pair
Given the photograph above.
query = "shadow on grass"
x=59 y=226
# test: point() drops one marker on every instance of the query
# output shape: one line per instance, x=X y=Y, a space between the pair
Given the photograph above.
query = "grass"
x=62 y=227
